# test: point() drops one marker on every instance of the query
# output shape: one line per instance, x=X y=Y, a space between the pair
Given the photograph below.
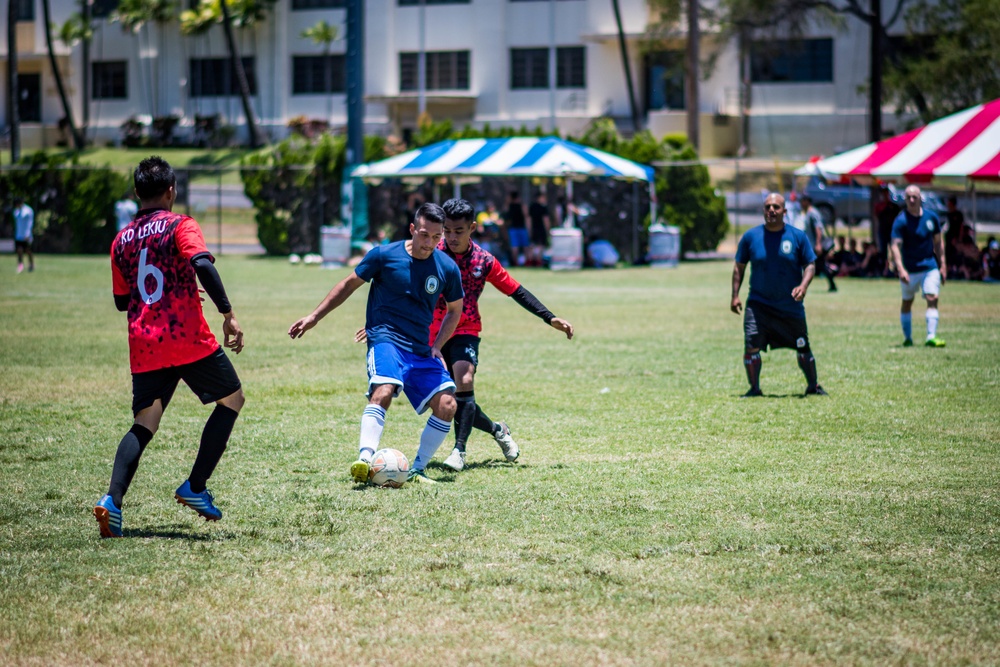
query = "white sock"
x=932 y=322
x=372 y=423
x=906 y=319
x=430 y=439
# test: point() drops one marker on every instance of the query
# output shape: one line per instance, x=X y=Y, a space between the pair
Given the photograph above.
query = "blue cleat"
x=109 y=517
x=199 y=502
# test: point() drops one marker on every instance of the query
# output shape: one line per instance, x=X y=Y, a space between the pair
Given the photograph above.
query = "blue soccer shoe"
x=109 y=517
x=202 y=503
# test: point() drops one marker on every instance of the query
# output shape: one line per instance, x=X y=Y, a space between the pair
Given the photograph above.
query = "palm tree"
x=67 y=109
x=134 y=15
x=246 y=13
x=12 y=110
x=75 y=30
x=326 y=34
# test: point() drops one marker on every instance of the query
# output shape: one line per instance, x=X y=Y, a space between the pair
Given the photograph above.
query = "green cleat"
x=360 y=470
x=908 y=342
x=418 y=477
x=934 y=342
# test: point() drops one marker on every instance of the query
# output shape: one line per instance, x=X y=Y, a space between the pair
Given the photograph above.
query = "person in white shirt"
x=125 y=210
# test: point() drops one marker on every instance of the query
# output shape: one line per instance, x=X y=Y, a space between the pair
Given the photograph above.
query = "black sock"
x=484 y=423
x=808 y=365
x=127 y=461
x=752 y=363
x=213 y=443
x=464 y=417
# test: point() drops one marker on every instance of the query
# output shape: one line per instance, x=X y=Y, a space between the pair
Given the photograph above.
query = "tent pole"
x=437 y=191
x=652 y=201
x=570 y=220
x=972 y=187
x=635 y=221
x=456 y=187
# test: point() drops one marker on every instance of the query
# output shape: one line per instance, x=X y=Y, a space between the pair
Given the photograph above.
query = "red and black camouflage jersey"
x=151 y=264
x=478 y=267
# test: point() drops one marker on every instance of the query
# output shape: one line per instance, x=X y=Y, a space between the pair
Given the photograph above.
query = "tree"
x=13 y=113
x=242 y=14
x=135 y=16
x=324 y=34
x=78 y=142
x=966 y=34
x=77 y=30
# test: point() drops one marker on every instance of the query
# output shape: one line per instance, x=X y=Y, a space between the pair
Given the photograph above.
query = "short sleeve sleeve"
x=897 y=226
x=743 y=250
x=369 y=266
x=453 y=283
x=189 y=239
x=501 y=279
x=119 y=285
x=806 y=252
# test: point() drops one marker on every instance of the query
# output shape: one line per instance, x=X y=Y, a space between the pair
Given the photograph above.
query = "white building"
x=487 y=61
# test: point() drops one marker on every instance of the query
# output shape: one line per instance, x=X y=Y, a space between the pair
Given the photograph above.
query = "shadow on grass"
x=174 y=532
x=750 y=398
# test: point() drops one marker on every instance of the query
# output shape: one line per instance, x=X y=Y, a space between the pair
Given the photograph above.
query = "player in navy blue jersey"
x=782 y=266
x=917 y=249
x=407 y=278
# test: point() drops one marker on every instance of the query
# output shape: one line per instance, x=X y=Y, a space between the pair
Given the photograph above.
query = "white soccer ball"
x=389 y=468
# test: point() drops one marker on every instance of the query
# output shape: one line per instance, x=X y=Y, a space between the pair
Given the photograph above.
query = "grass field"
x=653 y=519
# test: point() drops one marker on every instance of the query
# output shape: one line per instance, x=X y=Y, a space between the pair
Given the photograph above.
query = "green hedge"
x=74 y=207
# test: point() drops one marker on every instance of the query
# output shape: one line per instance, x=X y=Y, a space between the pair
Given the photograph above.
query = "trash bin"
x=335 y=246
x=664 y=245
x=566 y=249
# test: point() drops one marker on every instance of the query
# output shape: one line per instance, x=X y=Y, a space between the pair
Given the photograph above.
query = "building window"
x=792 y=61
x=213 y=77
x=444 y=70
x=571 y=67
x=665 y=80
x=316 y=75
x=25 y=9
x=102 y=9
x=413 y=3
x=529 y=68
x=318 y=4
x=110 y=80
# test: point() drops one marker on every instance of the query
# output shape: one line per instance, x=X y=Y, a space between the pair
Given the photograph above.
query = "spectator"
x=516 y=222
x=541 y=223
x=991 y=261
x=968 y=257
x=601 y=254
x=125 y=210
x=24 y=225
x=872 y=265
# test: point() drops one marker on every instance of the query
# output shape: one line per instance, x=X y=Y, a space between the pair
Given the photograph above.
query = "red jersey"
x=478 y=267
x=151 y=264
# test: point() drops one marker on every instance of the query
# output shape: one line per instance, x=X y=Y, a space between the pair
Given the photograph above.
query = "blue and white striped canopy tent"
x=514 y=156
x=547 y=157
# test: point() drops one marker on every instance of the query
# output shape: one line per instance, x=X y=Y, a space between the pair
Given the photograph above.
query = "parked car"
x=852 y=202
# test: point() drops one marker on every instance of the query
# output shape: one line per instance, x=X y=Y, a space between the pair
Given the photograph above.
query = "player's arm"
x=799 y=291
x=448 y=326
x=735 y=304
x=338 y=295
x=897 y=259
x=503 y=281
x=939 y=252
x=211 y=281
x=119 y=288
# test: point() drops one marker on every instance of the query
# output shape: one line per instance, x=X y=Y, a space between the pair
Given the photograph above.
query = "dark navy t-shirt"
x=404 y=292
x=776 y=261
x=917 y=234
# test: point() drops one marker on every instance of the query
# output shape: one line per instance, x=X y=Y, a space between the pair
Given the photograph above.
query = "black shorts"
x=211 y=379
x=765 y=327
x=23 y=246
x=462 y=347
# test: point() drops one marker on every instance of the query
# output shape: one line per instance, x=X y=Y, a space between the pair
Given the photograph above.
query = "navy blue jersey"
x=776 y=261
x=404 y=292
x=917 y=234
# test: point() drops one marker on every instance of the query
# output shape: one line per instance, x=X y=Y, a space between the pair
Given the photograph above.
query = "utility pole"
x=355 y=82
x=691 y=81
x=875 y=99
x=628 y=68
x=85 y=57
x=422 y=64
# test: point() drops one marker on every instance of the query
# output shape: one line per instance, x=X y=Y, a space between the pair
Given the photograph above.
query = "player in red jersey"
x=461 y=352
x=156 y=264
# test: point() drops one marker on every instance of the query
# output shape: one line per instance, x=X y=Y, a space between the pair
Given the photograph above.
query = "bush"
x=74 y=208
x=295 y=187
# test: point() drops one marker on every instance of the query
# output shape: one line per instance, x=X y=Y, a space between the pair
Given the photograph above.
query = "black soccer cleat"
x=816 y=391
x=753 y=393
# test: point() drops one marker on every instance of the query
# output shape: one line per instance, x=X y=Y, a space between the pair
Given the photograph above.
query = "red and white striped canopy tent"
x=958 y=148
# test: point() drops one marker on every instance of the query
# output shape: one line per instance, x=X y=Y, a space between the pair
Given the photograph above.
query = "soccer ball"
x=389 y=468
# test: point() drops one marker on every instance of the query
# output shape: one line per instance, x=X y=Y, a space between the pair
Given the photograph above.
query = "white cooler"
x=566 y=249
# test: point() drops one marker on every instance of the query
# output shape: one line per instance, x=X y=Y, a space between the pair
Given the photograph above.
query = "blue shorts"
x=420 y=378
x=518 y=237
